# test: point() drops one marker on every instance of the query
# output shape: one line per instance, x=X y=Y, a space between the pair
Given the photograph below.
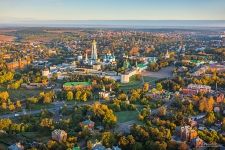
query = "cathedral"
x=93 y=60
x=109 y=58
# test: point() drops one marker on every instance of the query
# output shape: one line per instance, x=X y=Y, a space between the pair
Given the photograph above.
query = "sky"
x=11 y=10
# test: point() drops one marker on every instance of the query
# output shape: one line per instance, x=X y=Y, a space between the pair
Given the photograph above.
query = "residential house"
x=195 y=89
x=219 y=97
x=98 y=146
x=59 y=135
x=16 y=146
x=88 y=124
x=197 y=142
x=192 y=122
x=187 y=133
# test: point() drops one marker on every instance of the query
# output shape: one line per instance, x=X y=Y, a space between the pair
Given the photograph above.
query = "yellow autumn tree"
x=102 y=111
x=5 y=123
x=210 y=104
x=4 y=96
x=202 y=105
x=18 y=104
x=84 y=97
x=12 y=107
x=47 y=122
x=69 y=95
x=145 y=87
x=108 y=139
x=4 y=106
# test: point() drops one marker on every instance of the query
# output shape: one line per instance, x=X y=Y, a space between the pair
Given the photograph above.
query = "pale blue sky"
x=112 y=10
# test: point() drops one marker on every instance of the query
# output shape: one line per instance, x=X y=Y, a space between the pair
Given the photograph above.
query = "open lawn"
x=130 y=85
x=125 y=116
x=40 y=106
x=136 y=84
x=20 y=94
x=150 y=80
x=36 y=136
x=7 y=140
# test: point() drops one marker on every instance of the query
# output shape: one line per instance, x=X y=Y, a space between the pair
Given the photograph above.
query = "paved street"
x=54 y=109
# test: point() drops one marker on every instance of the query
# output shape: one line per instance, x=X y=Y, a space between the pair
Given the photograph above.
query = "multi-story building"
x=16 y=146
x=59 y=135
x=196 y=88
x=87 y=124
x=219 y=97
x=109 y=58
x=223 y=40
x=197 y=142
x=125 y=78
x=19 y=64
x=45 y=72
x=187 y=133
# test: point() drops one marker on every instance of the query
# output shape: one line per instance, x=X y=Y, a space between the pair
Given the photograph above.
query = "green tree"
x=210 y=118
x=159 y=87
x=33 y=100
x=108 y=139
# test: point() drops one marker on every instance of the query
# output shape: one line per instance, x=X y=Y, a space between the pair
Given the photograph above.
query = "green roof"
x=76 y=148
x=196 y=61
x=77 y=83
x=141 y=65
x=87 y=122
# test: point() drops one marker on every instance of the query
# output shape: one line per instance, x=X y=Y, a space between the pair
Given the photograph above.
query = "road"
x=125 y=126
x=57 y=107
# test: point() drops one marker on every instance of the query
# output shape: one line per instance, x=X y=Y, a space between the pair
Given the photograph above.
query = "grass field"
x=40 y=106
x=36 y=136
x=20 y=93
x=130 y=85
x=134 y=84
x=6 y=140
x=125 y=116
x=151 y=80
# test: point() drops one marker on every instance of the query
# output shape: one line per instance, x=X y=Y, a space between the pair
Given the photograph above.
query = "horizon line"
x=116 y=20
